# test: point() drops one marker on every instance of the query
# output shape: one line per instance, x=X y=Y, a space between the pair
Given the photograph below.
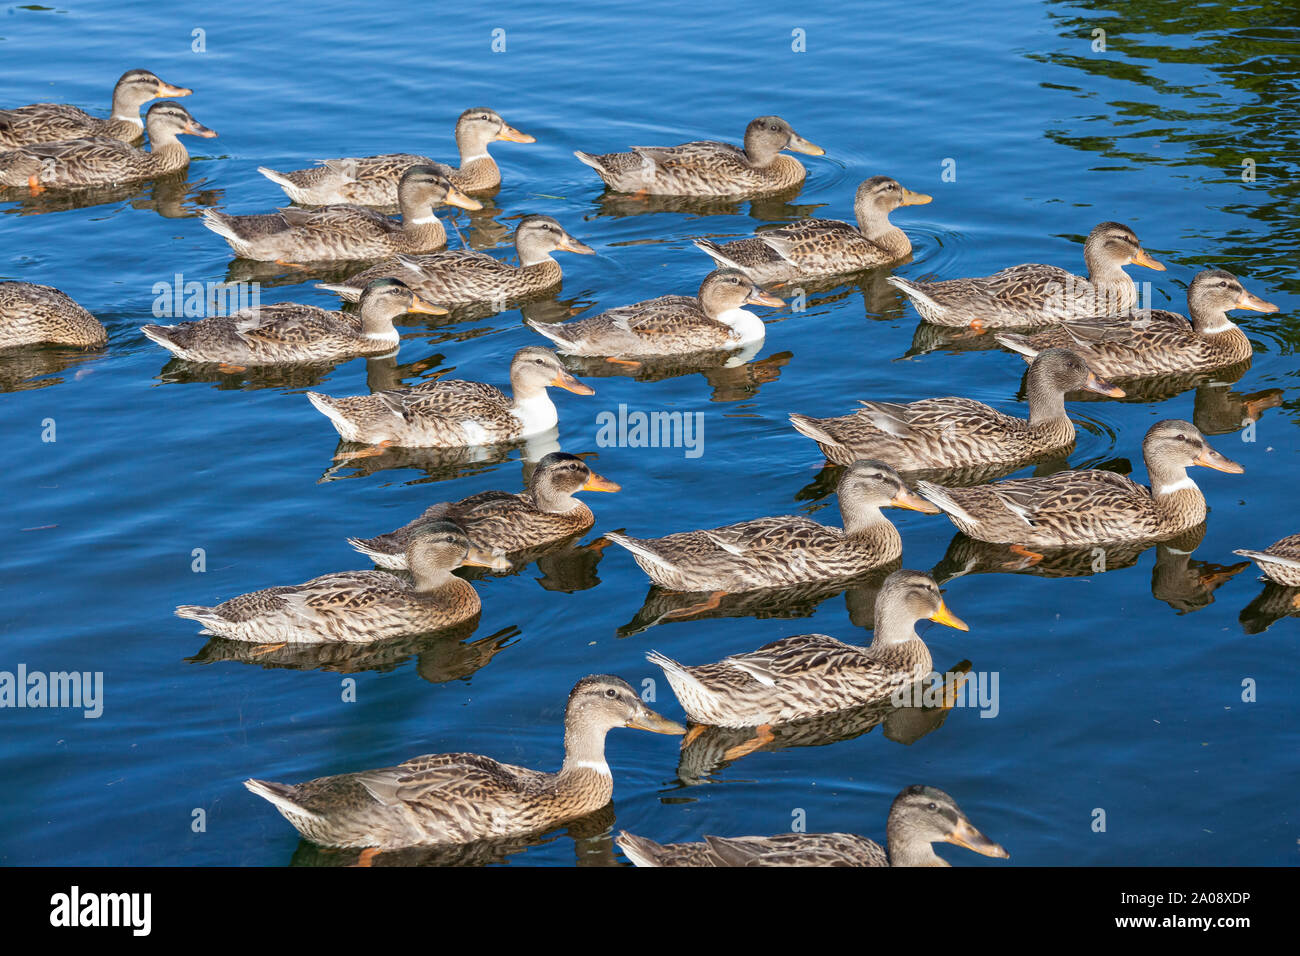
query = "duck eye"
x=611 y=693
x=934 y=806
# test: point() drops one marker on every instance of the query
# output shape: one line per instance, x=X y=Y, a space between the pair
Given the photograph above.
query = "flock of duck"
x=1077 y=334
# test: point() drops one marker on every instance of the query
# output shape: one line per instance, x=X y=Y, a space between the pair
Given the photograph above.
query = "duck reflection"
x=732 y=375
x=1271 y=605
x=27 y=367
x=772 y=207
x=174 y=196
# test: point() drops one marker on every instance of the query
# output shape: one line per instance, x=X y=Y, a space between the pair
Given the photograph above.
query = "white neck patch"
x=392 y=336
x=133 y=120
x=601 y=768
x=422 y=220
x=746 y=326
x=1182 y=484
x=1223 y=326
x=464 y=160
x=537 y=413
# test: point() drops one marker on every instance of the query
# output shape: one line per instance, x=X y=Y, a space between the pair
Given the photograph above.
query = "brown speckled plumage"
x=1280 y=561
x=55 y=122
x=31 y=314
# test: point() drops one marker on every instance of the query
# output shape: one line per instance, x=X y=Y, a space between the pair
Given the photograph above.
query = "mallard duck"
x=959 y=432
x=706 y=168
x=459 y=797
x=1156 y=341
x=347 y=232
x=1280 y=561
x=812 y=674
x=1037 y=295
x=1079 y=508
x=31 y=314
x=920 y=816
x=821 y=247
x=460 y=276
x=372 y=180
x=288 y=332
x=449 y=414
x=102 y=160
x=503 y=523
x=787 y=549
x=55 y=122
x=714 y=320
x=358 y=607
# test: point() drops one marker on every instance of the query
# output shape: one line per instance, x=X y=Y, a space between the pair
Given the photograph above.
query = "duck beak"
x=512 y=135
x=913 y=502
x=647 y=719
x=569 y=244
x=800 y=145
x=166 y=89
x=1143 y=258
x=946 y=617
x=570 y=384
x=478 y=558
x=758 y=297
x=1102 y=387
x=457 y=198
x=915 y=199
x=966 y=835
x=195 y=128
x=597 y=482
x=1209 y=458
x=1254 y=303
x=425 y=307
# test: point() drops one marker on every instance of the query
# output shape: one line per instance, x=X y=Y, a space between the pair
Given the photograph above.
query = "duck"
x=1072 y=509
x=1157 y=341
x=714 y=320
x=103 y=160
x=919 y=817
x=347 y=232
x=706 y=168
x=810 y=675
x=1035 y=295
x=288 y=332
x=32 y=314
x=946 y=433
x=462 y=276
x=824 y=247
x=454 y=414
x=500 y=522
x=1280 y=561
x=372 y=180
x=462 y=797
x=785 y=550
x=358 y=607
x=55 y=122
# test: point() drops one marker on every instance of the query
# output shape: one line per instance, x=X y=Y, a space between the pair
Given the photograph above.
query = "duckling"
x=359 y=607
x=672 y=324
x=809 y=675
x=502 y=523
x=1080 y=508
x=787 y=549
x=1156 y=341
x=1037 y=295
x=460 y=797
x=919 y=817
x=822 y=247
x=706 y=168
x=372 y=180
x=450 y=414
x=103 y=160
x=55 y=122
x=461 y=276
x=32 y=314
x=945 y=433
x=347 y=232
x=288 y=332
x=1280 y=561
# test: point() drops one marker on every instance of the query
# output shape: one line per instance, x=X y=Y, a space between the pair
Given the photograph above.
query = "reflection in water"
x=731 y=375
x=1272 y=604
x=172 y=197
x=441 y=656
x=438 y=464
x=715 y=748
x=593 y=845
x=773 y=207
x=39 y=366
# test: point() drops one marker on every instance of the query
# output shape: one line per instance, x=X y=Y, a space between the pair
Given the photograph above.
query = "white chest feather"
x=1182 y=484
x=536 y=413
x=745 y=326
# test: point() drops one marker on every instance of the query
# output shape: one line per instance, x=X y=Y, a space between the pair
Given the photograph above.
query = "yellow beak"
x=425 y=307
x=1143 y=258
x=945 y=616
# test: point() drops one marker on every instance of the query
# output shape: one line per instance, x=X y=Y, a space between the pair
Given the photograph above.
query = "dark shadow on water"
x=172 y=197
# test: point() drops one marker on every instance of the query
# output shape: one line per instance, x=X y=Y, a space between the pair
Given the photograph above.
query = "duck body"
x=706 y=168
x=372 y=180
x=1280 y=561
x=463 y=797
x=1080 y=508
x=824 y=247
x=59 y=122
x=33 y=314
x=103 y=160
x=461 y=276
x=672 y=324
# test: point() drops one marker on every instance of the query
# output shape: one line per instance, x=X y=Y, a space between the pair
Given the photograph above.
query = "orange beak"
x=966 y=835
x=597 y=482
x=758 y=297
x=945 y=616
x=905 y=499
x=1102 y=387
x=915 y=199
x=166 y=89
x=425 y=307
x=195 y=128
x=512 y=135
x=457 y=198
x=570 y=384
x=569 y=244
x=478 y=558
x=1209 y=458
x=1255 y=304
x=1143 y=258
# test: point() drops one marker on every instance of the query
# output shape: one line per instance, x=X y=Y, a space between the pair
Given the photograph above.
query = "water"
x=1110 y=697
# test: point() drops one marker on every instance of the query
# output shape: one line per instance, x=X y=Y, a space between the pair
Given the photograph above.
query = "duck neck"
x=532 y=406
x=428 y=576
x=907 y=849
x=1113 y=288
x=861 y=517
x=533 y=253
x=166 y=150
x=421 y=228
x=893 y=626
x=1046 y=404
x=553 y=500
x=377 y=325
x=584 y=751
x=473 y=149
x=760 y=153
x=875 y=225
x=1209 y=320
x=1177 y=499
x=126 y=108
